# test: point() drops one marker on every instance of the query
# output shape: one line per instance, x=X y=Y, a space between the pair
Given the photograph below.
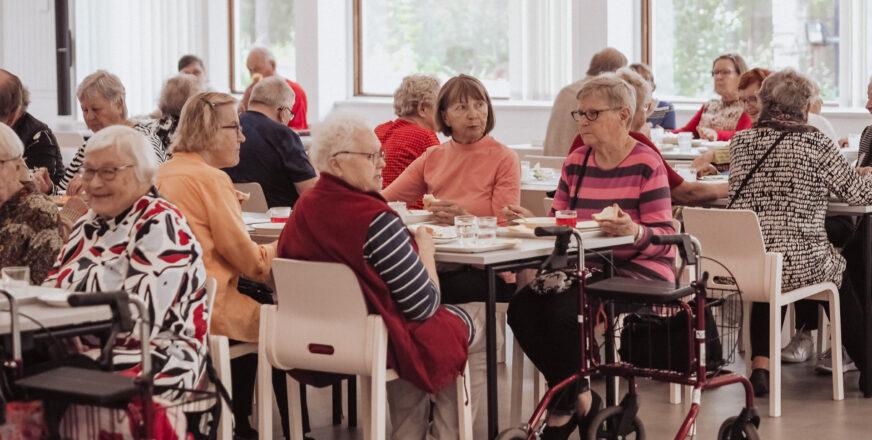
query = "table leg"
x=867 y=304
x=491 y=347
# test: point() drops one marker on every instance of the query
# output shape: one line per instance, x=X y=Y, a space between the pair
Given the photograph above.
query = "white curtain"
x=540 y=43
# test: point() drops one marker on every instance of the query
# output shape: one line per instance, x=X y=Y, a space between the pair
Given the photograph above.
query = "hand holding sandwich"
x=614 y=221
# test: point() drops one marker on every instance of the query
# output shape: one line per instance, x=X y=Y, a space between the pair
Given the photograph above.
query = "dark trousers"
x=243 y=370
x=470 y=285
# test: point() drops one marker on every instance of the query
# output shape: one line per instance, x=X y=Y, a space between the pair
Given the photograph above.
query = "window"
x=687 y=35
x=519 y=49
x=267 y=23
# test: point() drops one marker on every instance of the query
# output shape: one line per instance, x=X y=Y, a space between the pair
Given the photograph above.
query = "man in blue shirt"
x=272 y=154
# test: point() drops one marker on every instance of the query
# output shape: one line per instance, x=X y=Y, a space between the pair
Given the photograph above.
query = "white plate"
x=416 y=216
x=268 y=228
x=250 y=218
x=56 y=299
x=715 y=178
x=438 y=232
x=479 y=247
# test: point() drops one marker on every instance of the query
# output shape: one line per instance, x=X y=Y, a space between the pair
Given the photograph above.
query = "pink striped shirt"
x=640 y=187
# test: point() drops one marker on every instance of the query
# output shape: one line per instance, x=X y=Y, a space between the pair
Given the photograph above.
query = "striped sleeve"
x=389 y=252
x=464 y=316
x=72 y=169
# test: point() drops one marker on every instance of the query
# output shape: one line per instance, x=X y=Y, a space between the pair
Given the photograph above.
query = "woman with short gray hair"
x=407 y=137
x=784 y=170
x=173 y=96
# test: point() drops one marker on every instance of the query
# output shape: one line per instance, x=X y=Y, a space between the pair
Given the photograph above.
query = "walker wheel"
x=605 y=426
x=749 y=431
x=512 y=434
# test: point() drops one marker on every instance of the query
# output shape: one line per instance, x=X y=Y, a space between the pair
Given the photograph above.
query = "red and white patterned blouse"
x=148 y=250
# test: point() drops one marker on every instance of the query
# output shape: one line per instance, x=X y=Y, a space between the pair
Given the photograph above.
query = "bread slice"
x=608 y=213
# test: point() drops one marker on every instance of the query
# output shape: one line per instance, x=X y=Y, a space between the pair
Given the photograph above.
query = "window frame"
x=232 y=47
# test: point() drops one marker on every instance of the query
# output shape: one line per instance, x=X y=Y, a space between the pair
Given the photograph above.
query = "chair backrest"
x=321 y=321
x=211 y=288
x=555 y=162
x=256 y=201
x=733 y=237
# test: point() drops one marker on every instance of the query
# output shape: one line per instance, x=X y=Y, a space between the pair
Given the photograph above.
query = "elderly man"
x=40 y=146
x=261 y=61
x=561 y=128
x=272 y=154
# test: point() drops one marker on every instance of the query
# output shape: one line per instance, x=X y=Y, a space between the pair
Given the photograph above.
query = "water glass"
x=487 y=229
x=657 y=135
x=566 y=218
x=685 y=140
x=525 y=170
x=465 y=225
x=16 y=278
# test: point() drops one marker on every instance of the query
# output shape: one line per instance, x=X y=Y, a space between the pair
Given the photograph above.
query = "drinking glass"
x=465 y=225
x=525 y=170
x=685 y=140
x=566 y=218
x=279 y=214
x=657 y=135
x=487 y=229
x=16 y=279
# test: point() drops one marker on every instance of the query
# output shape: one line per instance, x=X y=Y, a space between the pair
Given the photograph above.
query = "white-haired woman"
x=134 y=240
x=102 y=98
x=405 y=138
x=789 y=190
x=397 y=273
x=173 y=96
x=28 y=219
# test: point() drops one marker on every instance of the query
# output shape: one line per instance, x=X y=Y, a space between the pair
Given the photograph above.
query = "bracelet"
x=639 y=234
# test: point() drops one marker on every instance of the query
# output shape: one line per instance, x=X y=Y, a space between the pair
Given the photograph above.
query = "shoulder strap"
x=754 y=170
x=574 y=199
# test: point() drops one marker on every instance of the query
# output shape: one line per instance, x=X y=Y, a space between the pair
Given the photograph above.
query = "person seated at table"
x=720 y=119
x=272 y=154
x=207 y=140
x=261 y=63
x=406 y=138
x=471 y=174
x=611 y=168
x=173 y=96
x=132 y=239
x=663 y=113
x=193 y=65
x=864 y=159
x=41 y=150
x=28 y=219
x=102 y=98
x=816 y=120
x=789 y=191
x=428 y=344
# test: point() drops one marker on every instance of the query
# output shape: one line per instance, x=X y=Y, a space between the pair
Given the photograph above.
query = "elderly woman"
x=397 y=274
x=28 y=219
x=662 y=112
x=102 y=98
x=406 y=138
x=612 y=167
x=719 y=119
x=207 y=140
x=133 y=239
x=175 y=93
x=789 y=190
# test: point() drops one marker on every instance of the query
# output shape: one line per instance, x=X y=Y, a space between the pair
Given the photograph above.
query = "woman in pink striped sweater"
x=612 y=168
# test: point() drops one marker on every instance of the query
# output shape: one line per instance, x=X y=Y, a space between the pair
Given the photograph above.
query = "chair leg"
x=517 y=384
x=365 y=404
x=836 y=346
x=540 y=386
x=501 y=337
x=264 y=394
x=823 y=332
x=791 y=321
x=295 y=409
x=351 y=390
x=774 y=359
x=464 y=406
x=337 y=403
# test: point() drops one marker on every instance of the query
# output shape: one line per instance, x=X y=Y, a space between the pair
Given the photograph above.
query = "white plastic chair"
x=555 y=162
x=256 y=201
x=321 y=323
x=733 y=238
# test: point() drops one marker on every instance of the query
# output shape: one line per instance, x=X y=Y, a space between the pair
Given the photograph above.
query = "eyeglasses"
x=3 y=161
x=749 y=100
x=283 y=108
x=722 y=72
x=372 y=157
x=590 y=115
x=106 y=174
x=236 y=127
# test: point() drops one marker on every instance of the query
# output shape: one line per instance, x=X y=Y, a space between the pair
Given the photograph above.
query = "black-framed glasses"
x=590 y=115
x=3 y=161
x=236 y=127
x=106 y=174
x=372 y=157
x=283 y=108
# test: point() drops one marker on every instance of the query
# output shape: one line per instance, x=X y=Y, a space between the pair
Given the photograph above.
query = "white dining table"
x=51 y=317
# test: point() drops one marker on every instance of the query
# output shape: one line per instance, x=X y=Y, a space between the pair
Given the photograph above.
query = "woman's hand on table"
x=75 y=186
x=445 y=210
x=707 y=134
x=514 y=212
x=704 y=160
x=42 y=180
x=619 y=226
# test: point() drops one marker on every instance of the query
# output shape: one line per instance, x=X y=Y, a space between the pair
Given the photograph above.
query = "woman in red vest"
x=343 y=219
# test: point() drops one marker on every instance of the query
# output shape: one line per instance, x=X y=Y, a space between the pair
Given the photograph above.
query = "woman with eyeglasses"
x=611 y=168
x=208 y=139
x=719 y=119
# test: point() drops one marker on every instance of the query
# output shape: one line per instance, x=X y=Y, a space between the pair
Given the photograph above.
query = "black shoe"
x=760 y=382
x=559 y=432
x=596 y=404
x=244 y=432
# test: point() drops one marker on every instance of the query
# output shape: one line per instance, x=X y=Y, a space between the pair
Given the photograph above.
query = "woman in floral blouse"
x=720 y=119
x=28 y=219
x=133 y=239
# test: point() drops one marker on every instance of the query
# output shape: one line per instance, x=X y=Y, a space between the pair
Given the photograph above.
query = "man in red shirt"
x=262 y=61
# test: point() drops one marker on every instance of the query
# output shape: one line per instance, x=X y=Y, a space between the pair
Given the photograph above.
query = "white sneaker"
x=825 y=363
x=799 y=349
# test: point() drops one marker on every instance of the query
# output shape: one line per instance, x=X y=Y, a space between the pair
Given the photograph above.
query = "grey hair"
x=273 y=91
x=640 y=86
x=10 y=143
x=414 y=91
x=786 y=92
x=176 y=92
x=613 y=89
x=339 y=131
x=265 y=51
x=129 y=144
x=106 y=85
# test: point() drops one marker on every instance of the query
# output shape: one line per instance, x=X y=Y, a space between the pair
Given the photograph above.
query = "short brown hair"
x=13 y=95
x=738 y=62
x=199 y=124
x=458 y=89
x=753 y=76
x=187 y=60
